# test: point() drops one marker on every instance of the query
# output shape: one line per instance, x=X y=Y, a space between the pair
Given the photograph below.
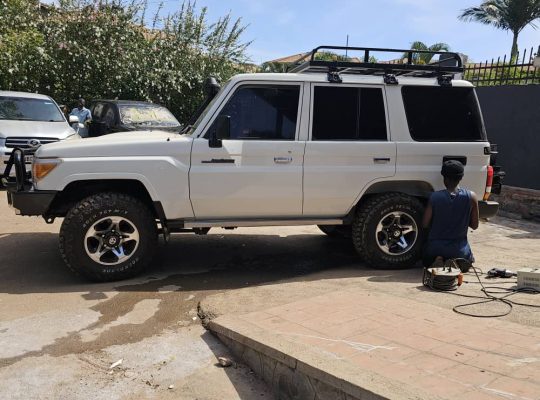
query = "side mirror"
x=222 y=131
x=73 y=119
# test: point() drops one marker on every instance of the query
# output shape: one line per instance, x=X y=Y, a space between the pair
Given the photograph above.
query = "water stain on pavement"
x=142 y=310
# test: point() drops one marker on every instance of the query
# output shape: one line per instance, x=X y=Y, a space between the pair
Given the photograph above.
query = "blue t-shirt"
x=84 y=114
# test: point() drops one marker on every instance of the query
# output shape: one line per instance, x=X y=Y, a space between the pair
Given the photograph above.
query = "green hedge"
x=102 y=49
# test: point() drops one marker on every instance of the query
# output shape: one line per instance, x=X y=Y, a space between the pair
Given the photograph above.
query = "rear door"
x=349 y=146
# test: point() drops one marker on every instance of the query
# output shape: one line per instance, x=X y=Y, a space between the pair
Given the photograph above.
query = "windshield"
x=153 y=115
x=24 y=109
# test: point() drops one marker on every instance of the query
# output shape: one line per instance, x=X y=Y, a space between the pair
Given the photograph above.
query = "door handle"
x=282 y=160
x=218 y=161
x=381 y=160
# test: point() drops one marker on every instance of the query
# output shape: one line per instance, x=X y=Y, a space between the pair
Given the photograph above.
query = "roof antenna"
x=347 y=46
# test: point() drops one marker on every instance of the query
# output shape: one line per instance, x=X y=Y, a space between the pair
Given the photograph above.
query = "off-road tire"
x=92 y=209
x=364 y=229
x=337 y=231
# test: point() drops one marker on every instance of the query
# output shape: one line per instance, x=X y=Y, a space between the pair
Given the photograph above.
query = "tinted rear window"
x=442 y=114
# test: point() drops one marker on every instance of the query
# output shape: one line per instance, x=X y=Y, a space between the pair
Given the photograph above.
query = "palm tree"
x=425 y=58
x=508 y=15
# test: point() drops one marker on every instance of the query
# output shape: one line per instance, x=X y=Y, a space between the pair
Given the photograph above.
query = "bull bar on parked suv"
x=20 y=193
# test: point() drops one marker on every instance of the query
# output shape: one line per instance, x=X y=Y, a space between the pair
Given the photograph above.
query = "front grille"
x=25 y=143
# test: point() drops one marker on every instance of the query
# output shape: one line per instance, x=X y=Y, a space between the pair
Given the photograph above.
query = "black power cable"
x=489 y=295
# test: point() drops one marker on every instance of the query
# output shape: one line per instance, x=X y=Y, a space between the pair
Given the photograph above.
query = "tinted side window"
x=348 y=113
x=263 y=112
x=108 y=115
x=97 y=110
x=444 y=114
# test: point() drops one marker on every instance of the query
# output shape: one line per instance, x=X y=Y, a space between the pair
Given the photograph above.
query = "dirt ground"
x=59 y=335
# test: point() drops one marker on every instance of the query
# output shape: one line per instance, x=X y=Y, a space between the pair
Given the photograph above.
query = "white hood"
x=123 y=144
x=58 y=130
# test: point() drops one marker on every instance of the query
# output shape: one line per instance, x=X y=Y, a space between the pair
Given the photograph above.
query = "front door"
x=257 y=173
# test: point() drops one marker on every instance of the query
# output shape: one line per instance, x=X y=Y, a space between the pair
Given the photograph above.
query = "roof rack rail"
x=449 y=63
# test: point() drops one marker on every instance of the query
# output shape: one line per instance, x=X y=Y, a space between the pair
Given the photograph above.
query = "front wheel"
x=108 y=237
x=387 y=231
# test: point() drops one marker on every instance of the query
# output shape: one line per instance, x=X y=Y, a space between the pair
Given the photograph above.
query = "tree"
x=21 y=44
x=425 y=58
x=508 y=15
x=106 y=49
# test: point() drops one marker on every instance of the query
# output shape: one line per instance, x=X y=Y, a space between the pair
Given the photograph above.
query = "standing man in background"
x=84 y=115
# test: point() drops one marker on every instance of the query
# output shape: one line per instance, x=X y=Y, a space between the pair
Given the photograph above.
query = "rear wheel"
x=108 y=236
x=337 y=231
x=387 y=231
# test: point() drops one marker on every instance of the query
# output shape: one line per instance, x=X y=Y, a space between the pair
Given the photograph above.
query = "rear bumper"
x=488 y=209
x=31 y=202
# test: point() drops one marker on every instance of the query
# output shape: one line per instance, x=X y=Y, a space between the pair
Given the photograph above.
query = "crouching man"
x=450 y=213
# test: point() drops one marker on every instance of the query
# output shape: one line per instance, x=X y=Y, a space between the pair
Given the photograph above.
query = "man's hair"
x=452 y=169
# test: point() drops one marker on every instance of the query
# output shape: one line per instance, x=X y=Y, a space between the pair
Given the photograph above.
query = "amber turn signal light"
x=41 y=169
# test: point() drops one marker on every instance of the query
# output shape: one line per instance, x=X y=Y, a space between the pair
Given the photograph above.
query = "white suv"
x=28 y=120
x=355 y=148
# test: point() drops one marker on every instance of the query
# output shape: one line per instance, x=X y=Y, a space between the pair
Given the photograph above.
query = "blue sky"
x=279 y=27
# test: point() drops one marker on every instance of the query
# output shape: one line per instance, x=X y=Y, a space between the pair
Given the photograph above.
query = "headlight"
x=42 y=166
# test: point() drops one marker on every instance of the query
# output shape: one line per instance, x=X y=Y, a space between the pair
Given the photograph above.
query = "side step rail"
x=217 y=223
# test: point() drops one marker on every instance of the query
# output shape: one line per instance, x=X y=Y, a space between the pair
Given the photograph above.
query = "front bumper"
x=21 y=194
x=31 y=202
x=488 y=209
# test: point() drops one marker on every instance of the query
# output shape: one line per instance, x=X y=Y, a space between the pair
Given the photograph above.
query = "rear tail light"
x=489 y=182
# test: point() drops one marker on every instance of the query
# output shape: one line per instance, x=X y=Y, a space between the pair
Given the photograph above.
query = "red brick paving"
x=434 y=349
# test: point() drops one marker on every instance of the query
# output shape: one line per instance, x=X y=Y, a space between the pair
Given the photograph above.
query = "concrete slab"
x=380 y=346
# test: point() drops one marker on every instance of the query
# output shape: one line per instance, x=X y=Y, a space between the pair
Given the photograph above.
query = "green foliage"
x=502 y=74
x=425 y=58
x=508 y=15
x=103 y=49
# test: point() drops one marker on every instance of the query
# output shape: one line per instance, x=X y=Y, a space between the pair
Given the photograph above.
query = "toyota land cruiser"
x=354 y=147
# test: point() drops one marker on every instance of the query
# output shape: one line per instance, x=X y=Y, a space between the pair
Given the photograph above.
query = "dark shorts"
x=446 y=249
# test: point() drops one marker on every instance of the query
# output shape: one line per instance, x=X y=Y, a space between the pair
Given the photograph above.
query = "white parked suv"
x=355 y=148
x=28 y=120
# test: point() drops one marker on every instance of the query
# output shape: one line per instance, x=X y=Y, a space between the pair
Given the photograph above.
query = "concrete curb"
x=295 y=371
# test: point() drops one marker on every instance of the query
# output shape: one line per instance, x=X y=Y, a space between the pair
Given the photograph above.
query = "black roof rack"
x=448 y=64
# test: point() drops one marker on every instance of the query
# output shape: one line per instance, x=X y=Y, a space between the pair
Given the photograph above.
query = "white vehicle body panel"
x=159 y=160
x=254 y=186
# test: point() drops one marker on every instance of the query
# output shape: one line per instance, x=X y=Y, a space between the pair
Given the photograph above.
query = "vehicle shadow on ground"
x=31 y=263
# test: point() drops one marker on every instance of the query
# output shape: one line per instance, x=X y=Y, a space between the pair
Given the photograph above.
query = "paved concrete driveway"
x=59 y=334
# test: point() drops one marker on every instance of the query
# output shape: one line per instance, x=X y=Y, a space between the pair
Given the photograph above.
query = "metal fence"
x=516 y=71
